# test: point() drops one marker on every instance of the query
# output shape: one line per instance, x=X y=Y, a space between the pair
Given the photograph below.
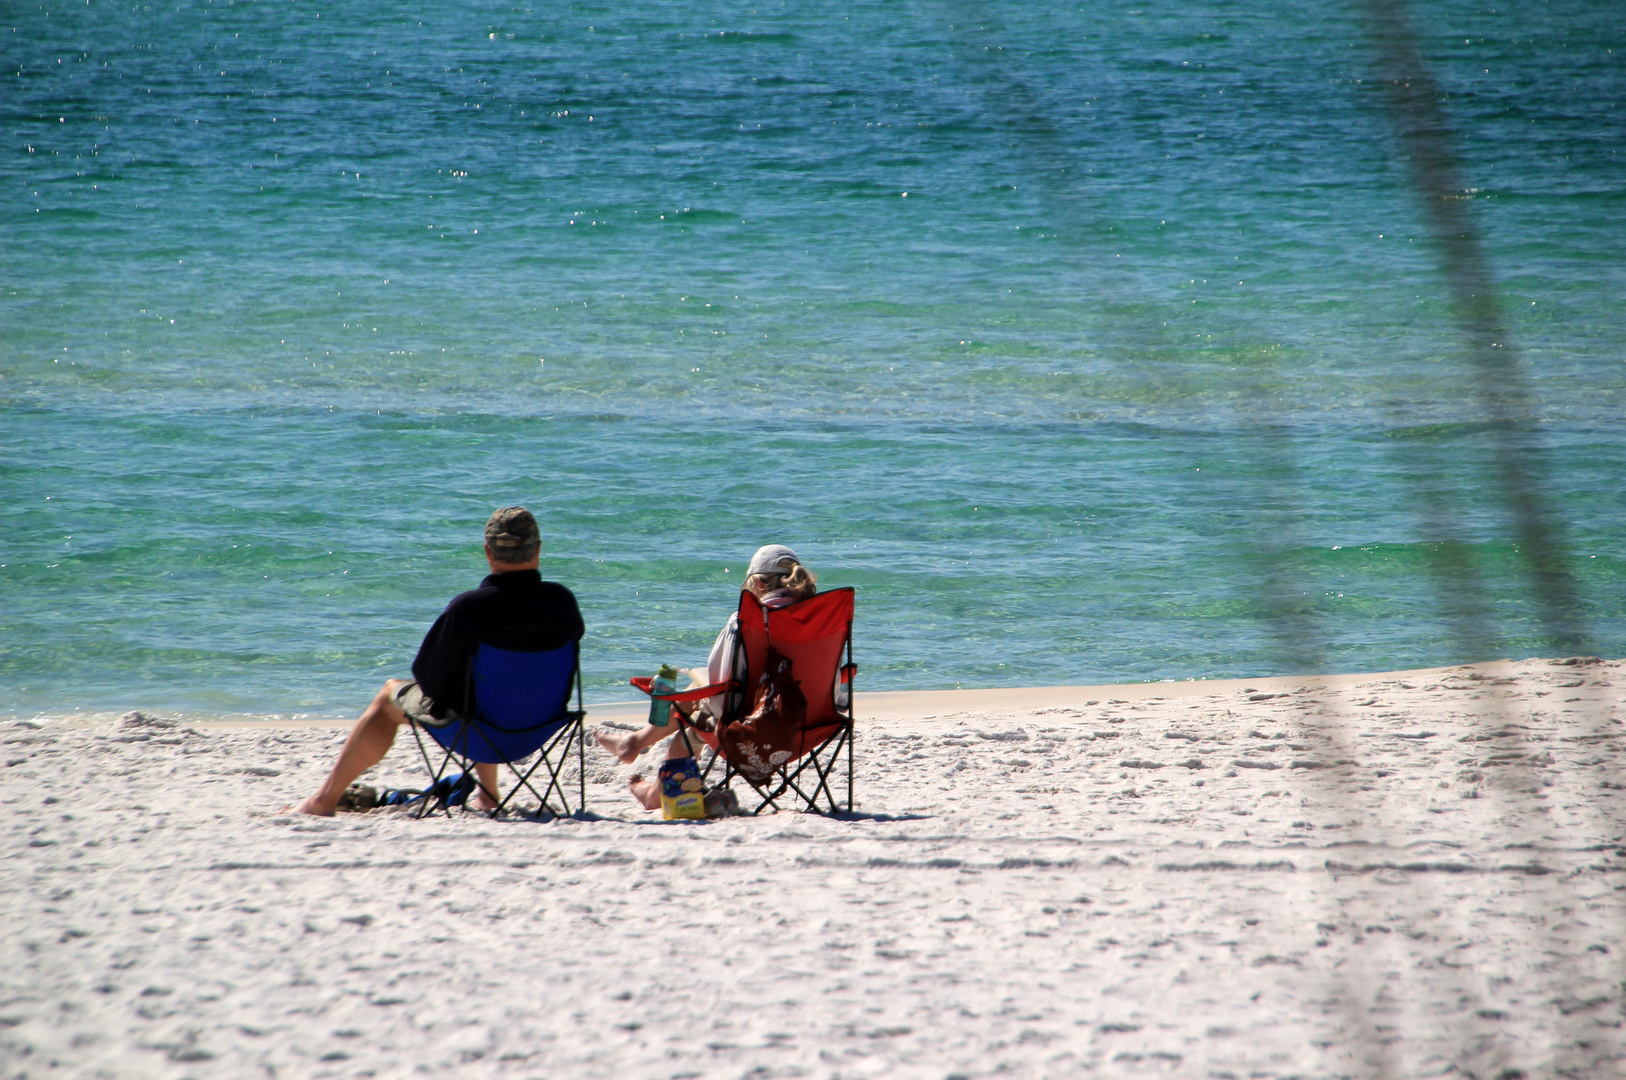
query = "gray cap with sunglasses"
x=771 y=559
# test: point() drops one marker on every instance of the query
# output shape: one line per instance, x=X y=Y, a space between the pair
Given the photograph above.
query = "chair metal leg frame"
x=787 y=783
x=572 y=730
x=581 y=745
x=851 y=690
x=823 y=771
x=683 y=733
x=435 y=774
x=786 y=778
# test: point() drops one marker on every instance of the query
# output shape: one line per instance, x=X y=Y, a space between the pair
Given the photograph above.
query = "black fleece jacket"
x=516 y=610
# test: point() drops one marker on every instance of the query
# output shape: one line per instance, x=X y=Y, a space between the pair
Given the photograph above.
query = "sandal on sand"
x=358 y=798
x=452 y=790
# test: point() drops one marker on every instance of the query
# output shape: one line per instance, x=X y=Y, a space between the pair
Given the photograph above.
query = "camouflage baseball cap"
x=512 y=531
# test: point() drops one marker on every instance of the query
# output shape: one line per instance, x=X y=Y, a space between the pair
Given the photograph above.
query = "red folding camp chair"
x=780 y=721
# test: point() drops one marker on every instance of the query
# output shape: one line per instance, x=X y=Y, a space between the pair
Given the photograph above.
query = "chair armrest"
x=697 y=693
x=848 y=671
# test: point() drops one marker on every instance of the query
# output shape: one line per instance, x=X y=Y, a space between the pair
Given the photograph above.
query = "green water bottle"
x=665 y=682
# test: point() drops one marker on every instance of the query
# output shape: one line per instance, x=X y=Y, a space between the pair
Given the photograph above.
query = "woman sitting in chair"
x=777 y=578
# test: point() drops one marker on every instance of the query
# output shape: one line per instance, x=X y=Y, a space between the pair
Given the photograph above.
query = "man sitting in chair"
x=512 y=609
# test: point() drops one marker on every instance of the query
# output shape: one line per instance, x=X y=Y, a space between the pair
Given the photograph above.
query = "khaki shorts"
x=418 y=707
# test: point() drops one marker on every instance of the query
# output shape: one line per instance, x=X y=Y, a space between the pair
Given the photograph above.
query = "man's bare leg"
x=486 y=798
x=369 y=741
x=366 y=746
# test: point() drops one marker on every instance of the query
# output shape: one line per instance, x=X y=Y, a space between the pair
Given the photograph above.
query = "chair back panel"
x=515 y=691
x=521 y=701
x=792 y=655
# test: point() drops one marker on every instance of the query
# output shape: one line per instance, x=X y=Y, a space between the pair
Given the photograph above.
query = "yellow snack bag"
x=681 y=794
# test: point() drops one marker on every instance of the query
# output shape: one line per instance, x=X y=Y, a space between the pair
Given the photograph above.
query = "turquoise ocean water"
x=1089 y=342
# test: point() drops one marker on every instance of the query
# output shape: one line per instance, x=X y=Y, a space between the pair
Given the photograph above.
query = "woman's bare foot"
x=482 y=801
x=647 y=792
x=625 y=749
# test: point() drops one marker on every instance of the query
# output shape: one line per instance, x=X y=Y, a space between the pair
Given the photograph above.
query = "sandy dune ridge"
x=1408 y=874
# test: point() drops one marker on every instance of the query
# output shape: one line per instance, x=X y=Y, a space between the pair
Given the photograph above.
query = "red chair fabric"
x=792 y=656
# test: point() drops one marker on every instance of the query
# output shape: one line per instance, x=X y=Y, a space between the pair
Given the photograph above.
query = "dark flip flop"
x=358 y=798
x=453 y=790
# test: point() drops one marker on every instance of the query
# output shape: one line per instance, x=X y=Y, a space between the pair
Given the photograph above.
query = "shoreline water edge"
x=877 y=705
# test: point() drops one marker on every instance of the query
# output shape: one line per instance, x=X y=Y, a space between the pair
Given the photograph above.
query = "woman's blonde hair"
x=798 y=579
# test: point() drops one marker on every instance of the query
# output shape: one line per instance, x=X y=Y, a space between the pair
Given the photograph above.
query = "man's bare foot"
x=624 y=749
x=647 y=792
x=309 y=806
x=482 y=801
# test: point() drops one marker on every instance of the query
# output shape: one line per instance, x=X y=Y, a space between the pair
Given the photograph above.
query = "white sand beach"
x=1400 y=875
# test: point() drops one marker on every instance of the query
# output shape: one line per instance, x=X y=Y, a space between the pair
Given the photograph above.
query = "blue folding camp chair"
x=521 y=707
